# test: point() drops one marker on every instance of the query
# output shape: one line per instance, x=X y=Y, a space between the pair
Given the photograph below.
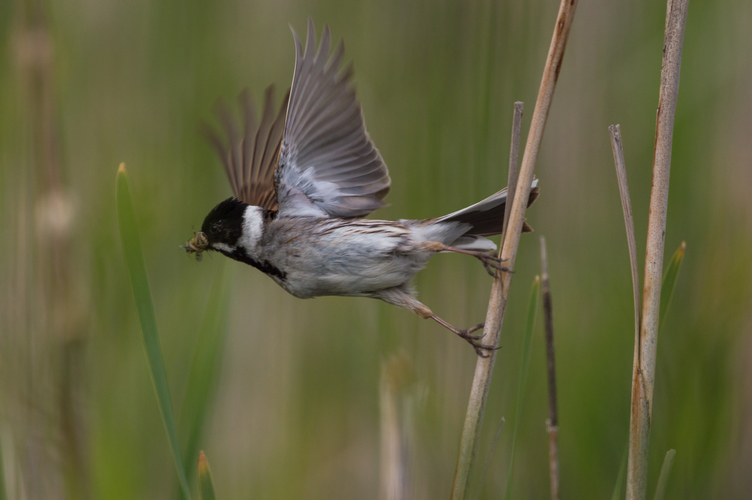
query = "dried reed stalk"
x=552 y=424
x=643 y=375
x=500 y=289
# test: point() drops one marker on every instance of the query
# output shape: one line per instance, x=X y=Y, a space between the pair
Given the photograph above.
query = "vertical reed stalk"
x=500 y=289
x=643 y=375
x=514 y=157
x=552 y=424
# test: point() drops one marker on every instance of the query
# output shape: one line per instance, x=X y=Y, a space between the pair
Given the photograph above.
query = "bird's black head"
x=224 y=224
x=233 y=228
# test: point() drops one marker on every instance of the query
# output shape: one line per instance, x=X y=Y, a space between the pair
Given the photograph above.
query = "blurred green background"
x=301 y=402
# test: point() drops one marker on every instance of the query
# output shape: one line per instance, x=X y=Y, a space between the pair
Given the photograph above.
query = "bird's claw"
x=492 y=263
x=473 y=340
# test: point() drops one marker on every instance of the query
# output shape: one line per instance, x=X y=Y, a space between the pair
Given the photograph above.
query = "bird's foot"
x=492 y=263
x=474 y=340
x=467 y=335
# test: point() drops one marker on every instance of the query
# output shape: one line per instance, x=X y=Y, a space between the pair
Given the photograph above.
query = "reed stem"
x=643 y=374
x=500 y=289
x=552 y=424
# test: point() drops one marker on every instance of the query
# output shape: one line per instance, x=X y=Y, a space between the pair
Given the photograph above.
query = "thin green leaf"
x=669 y=281
x=619 y=486
x=205 y=481
x=205 y=367
x=668 y=462
x=532 y=308
x=490 y=455
x=134 y=261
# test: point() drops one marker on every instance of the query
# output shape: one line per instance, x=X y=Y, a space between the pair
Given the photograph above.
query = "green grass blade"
x=205 y=368
x=205 y=481
x=532 y=309
x=619 y=486
x=669 y=281
x=489 y=457
x=134 y=261
x=668 y=462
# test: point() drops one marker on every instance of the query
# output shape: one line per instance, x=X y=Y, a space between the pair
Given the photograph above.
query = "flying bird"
x=303 y=179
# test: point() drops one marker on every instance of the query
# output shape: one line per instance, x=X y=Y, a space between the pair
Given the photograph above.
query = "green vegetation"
x=527 y=338
x=669 y=280
x=619 y=486
x=668 y=462
x=205 y=481
x=134 y=260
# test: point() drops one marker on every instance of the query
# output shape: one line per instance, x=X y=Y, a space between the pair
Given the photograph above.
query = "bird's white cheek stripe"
x=253 y=223
x=224 y=247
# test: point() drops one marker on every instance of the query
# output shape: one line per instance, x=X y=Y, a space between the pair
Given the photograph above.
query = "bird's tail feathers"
x=474 y=243
x=485 y=218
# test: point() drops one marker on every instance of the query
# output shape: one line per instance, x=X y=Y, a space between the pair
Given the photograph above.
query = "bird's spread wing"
x=250 y=157
x=328 y=165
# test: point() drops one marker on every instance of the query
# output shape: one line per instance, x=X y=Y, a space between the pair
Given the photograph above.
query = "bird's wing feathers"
x=250 y=158
x=328 y=165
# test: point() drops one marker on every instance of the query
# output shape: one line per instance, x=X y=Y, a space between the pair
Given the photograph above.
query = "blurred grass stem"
x=527 y=341
x=134 y=261
x=63 y=328
x=202 y=379
x=669 y=281
x=489 y=457
x=205 y=480
x=500 y=289
x=619 y=486
x=643 y=375
x=514 y=157
x=552 y=424
x=396 y=394
x=626 y=206
x=668 y=462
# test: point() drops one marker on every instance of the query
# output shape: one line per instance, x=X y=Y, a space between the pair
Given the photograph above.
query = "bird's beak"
x=197 y=244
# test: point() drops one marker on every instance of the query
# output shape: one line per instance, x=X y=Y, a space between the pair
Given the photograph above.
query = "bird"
x=304 y=178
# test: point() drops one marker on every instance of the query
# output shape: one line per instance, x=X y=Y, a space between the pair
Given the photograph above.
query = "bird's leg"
x=398 y=296
x=473 y=340
x=490 y=261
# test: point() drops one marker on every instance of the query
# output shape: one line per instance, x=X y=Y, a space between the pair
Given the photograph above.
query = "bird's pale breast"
x=342 y=257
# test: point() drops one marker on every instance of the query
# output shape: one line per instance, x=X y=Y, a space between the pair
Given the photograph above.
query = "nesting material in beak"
x=197 y=244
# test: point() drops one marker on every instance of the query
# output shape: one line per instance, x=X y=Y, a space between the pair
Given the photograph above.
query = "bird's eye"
x=215 y=228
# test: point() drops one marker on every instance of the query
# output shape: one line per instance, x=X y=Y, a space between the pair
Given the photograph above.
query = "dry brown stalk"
x=500 y=289
x=552 y=424
x=643 y=375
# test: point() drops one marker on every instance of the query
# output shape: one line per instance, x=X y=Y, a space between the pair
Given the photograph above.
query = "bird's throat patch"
x=264 y=266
